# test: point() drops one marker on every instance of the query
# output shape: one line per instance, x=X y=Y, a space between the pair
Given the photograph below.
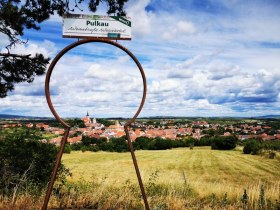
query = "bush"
x=204 y=141
x=141 y=143
x=25 y=162
x=119 y=144
x=67 y=149
x=162 y=144
x=224 y=142
x=84 y=148
x=178 y=143
x=252 y=147
x=94 y=148
x=76 y=146
x=271 y=155
x=271 y=145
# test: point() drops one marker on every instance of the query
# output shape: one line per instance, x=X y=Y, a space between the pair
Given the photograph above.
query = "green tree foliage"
x=141 y=143
x=19 y=15
x=204 y=141
x=55 y=123
x=105 y=122
x=76 y=146
x=67 y=149
x=24 y=161
x=75 y=123
x=145 y=143
x=224 y=142
x=271 y=145
x=252 y=146
x=119 y=144
x=16 y=68
x=87 y=141
x=96 y=144
x=257 y=146
x=273 y=123
x=162 y=144
x=214 y=132
x=209 y=132
x=24 y=132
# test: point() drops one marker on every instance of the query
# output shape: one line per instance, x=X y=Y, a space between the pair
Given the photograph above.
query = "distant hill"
x=269 y=116
x=9 y=116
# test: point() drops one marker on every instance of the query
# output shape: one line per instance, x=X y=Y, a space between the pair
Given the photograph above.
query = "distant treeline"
x=145 y=143
x=251 y=146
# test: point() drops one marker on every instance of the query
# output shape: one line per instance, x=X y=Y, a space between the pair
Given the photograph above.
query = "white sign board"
x=86 y=26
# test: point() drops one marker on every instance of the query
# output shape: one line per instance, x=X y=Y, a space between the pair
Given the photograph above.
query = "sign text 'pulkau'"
x=86 y=26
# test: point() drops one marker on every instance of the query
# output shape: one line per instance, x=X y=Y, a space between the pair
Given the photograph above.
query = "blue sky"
x=200 y=57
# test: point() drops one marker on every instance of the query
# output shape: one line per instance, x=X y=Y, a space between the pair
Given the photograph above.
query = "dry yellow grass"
x=207 y=171
x=106 y=180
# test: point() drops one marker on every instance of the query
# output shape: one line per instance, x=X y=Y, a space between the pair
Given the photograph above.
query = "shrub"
x=204 y=141
x=224 y=142
x=141 y=143
x=86 y=140
x=94 y=148
x=84 y=148
x=191 y=146
x=178 y=143
x=272 y=145
x=67 y=149
x=76 y=146
x=25 y=162
x=119 y=144
x=252 y=147
x=161 y=144
x=271 y=155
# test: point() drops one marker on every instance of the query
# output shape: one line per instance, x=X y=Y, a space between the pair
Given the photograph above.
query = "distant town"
x=174 y=129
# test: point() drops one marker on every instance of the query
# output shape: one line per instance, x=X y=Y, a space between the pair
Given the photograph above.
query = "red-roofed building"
x=267 y=137
x=227 y=134
x=120 y=134
x=29 y=125
x=12 y=125
x=42 y=125
x=56 y=140
x=74 y=139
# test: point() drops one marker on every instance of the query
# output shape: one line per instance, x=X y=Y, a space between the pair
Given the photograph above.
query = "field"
x=207 y=172
x=174 y=179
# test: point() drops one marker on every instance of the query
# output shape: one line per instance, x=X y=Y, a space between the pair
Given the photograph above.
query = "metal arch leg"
x=55 y=169
x=136 y=168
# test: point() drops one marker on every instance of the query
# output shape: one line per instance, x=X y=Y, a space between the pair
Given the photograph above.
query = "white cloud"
x=141 y=19
x=164 y=85
x=189 y=62
x=181 y=29
x=196 y=63
x=47 y=48
x=186 y=27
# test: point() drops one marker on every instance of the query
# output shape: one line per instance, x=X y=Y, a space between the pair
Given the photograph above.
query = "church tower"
x=87 y=120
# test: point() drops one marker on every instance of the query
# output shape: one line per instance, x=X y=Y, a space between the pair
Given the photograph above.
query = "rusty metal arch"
x=67 y=127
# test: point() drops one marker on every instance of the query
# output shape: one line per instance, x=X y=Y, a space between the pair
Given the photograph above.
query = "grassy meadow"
x=174 y=179
x=207 y=172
